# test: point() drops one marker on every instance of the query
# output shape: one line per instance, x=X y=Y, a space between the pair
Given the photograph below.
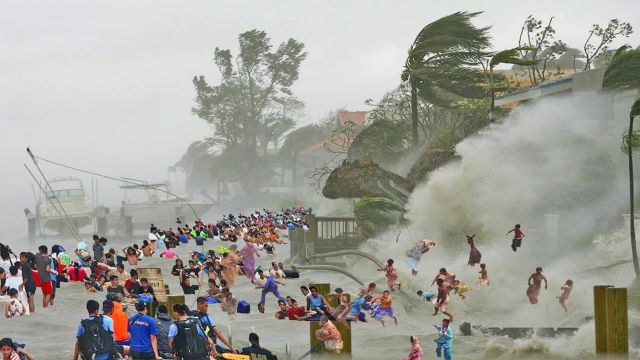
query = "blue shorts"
x=413 y=263
x=123 y=342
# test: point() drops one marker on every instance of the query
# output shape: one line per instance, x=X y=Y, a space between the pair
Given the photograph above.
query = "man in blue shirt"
x=444 y=339
x=270 y=286
x=102 y=345
x=143 y=330
x=209 y=326
x=181 y=335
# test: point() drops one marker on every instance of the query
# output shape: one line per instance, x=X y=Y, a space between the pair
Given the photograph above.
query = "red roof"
x=356 y=117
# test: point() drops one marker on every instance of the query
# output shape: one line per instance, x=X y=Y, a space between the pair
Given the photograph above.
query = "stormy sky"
x=106 y=85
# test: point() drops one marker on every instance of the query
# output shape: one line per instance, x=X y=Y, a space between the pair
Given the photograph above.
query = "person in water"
x=416 y=351
x=385 y=308
x=518 y=235
x=459 y=288
x=329 y=334
x=474 y=253
x=443 y=343
x=415 y=254
x=566 y=290
x=535 y=285
x=484 y=276
x=392 y=275
x=442 y=300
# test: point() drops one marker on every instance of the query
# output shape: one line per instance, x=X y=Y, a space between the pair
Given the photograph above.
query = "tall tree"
x=542 y=47
x=243 y=100
x=601 y=37
x=441 y=62
x=624 y=72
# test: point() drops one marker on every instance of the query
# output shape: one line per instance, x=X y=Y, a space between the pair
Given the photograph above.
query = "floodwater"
x=52 y=331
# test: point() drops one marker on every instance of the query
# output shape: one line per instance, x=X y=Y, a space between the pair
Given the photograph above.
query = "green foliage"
x=543 y=49
x=383 y=140
x=624 y=70
x=442 y=59
x=600 y=38
x=511 y=56
x=246 y=107
x=374 y=213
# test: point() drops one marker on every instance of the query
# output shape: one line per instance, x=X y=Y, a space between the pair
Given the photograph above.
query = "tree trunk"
x=632 y=226
x=414 y=114
x=493 y=106
x=294 y=170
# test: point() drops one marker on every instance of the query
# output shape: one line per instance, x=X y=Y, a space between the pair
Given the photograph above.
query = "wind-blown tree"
x=624 y=72
x=600 y=37
x=375 y=213
x=244 y=99
x=509 y=56
x=543 y=49
x=441 y=62
x=295 y=142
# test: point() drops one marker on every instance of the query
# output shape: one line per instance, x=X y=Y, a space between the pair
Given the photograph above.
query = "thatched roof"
x=361 y=178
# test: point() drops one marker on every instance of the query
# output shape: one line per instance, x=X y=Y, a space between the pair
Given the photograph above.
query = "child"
x=385 y=308
x=168 y=253
x=229 y=303
x=443 y=342
x=14 y=306
x=428 y=296
x=566 y=290
x=518 y=235
x=484 y=276
x=416 y=351
x=391 y=274
x=460 y=288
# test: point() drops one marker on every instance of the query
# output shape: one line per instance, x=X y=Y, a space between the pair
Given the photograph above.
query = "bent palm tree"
x=440 y=63
x=632 y=141
x=509 y=56
x=624 y=72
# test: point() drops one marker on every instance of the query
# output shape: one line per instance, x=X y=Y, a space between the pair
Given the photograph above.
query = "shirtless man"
x=518 y=235
x=415 y=254
x=534 y=288
x=446 y=276
x=442 y=300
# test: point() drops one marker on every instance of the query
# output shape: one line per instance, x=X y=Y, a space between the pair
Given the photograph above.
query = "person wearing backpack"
x=95 y=336
x=143 y=344
x=187 y=337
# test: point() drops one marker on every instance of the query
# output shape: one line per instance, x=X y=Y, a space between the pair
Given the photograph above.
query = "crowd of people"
x=212 y=275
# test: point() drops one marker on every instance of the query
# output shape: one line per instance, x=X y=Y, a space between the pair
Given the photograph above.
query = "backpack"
x=244 y=307
x=188 y=342
x=95 y=339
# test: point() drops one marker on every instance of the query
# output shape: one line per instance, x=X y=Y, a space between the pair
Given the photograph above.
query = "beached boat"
x=157 y=210
x=68 y=196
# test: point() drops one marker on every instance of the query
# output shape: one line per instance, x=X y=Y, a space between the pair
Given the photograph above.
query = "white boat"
x=160 y=212
x=68 y=194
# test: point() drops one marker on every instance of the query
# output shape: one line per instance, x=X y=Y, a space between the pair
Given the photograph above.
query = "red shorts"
x=47 y=288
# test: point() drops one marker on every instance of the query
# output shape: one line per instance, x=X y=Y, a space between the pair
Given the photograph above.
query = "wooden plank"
x=617 y=322
x=600 y=318
x=154 y=277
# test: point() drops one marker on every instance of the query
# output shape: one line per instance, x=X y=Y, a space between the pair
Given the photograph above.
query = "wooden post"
x=600 y=318
x=617 y=322
x=324 y=289
x=611 y=322
x=172 y=300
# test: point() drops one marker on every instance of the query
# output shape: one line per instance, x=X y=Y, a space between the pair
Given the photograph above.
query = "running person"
x=415 y=254
x=518 y=235
x=392 y=275
x=385 y=308
x=535 y=285
x=566 y=290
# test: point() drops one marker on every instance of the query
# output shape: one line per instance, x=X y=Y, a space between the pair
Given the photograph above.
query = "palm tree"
x=509 y=56
x=440 y=63
x=624 y=72
x=631 y=142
